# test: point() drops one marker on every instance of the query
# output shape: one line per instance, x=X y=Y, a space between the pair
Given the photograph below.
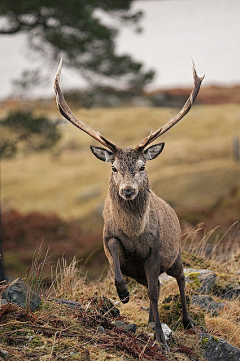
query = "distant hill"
x=114 y=98
x=207 y=95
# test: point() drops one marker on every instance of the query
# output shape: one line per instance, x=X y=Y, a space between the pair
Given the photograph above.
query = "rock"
x=4 y=354
x=131 y=327
x=204 y=279
x=164 y=278
x=216 y=349
x=120 y=324
x=207 y=303
x=166 y=330
x=19 y=293
x=126 y=327
x=68 y=303
x=3 y=302
x=231 y=293
x=100 y=329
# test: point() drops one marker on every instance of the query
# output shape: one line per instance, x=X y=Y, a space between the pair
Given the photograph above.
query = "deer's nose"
x=128 y=193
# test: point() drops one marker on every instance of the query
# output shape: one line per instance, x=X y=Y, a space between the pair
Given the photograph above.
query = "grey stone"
x=131 y=327
x=166 y=330
x=100 y=329
x=126 y=327
x=3 y=302
x=120 y=324
x=164 y=278
x=68 y=303
x=4 y=354
x=207 y=303
x=231 y=293
x=19 y=293
x=216 y=349
x=206 y=278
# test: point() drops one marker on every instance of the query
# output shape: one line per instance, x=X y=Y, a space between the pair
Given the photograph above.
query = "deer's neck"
x=132 y=216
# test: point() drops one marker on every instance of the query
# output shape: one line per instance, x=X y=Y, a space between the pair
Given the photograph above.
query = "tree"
x=21 y=130
x=73 y=30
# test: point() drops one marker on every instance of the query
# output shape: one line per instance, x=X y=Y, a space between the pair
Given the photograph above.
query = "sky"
x=173 y=32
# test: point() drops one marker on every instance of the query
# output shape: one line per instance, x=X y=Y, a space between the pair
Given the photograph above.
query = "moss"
x=204 y=341
x=171 y=313
x=215 y=339
x=195 y=283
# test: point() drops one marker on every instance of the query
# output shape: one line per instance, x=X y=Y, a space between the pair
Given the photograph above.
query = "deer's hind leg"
x=177 y=271
x=114 y=247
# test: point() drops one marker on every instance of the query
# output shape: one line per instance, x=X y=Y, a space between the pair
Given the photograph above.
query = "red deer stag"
x=141 y=234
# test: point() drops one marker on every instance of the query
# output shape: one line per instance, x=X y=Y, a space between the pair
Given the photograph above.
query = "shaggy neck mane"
x=137 y=206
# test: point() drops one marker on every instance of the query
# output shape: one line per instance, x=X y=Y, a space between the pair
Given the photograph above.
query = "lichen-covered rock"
x=207 y=303
x=202 y=279
x=19 y=293
x=216 y=349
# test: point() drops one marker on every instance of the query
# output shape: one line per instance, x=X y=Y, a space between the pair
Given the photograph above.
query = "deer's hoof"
x=122 y=292
x=188 y=325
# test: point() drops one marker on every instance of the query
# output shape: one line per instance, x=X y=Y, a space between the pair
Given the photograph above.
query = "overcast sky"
x=172 y=30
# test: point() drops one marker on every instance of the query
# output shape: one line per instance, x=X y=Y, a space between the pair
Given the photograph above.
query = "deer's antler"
x=67 y=113
x=185 y=109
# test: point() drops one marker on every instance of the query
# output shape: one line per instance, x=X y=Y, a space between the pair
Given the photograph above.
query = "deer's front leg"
x=114 y=249
x=152 y=271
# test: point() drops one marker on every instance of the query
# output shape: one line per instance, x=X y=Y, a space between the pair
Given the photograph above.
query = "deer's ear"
x=102 y=154
x=153 y=151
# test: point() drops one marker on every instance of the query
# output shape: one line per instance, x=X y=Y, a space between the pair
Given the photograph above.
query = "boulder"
x=19 y=293
x=216 y=349
x=203 y=279
x=207 y=303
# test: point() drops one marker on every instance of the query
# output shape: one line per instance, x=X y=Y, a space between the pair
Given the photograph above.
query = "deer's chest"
x=138 y=244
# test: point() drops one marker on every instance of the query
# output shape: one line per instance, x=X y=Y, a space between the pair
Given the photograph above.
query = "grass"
x=195 y=168
x=56 y=332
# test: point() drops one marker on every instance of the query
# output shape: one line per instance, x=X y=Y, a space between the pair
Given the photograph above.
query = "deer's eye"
x=114 y=169
x=142 y=168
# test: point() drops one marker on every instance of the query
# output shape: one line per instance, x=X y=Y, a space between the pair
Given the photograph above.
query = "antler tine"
x=67 y=113
x=185 y=109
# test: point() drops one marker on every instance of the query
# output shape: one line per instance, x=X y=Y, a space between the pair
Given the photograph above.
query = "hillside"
x=57 y=197
x=78 y=320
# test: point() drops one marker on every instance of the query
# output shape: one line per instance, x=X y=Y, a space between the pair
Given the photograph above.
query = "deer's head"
x=128 y=164
x=128 y=167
